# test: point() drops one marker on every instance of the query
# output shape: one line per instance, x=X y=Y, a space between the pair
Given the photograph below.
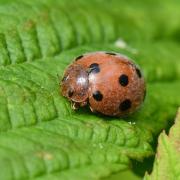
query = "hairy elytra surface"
x=111 y=83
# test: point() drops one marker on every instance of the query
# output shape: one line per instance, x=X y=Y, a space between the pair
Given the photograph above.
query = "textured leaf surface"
x=41 y=137
x=167 y=164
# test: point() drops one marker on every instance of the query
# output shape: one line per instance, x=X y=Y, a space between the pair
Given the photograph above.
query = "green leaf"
x=167 y=165
x=40 y=135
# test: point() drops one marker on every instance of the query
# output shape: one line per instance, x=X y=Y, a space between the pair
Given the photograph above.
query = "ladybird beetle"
x=110 y=83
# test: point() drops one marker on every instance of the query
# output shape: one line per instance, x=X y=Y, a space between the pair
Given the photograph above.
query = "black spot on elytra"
x=70 y=93
x=94 y=68
x=97 y=96
x=123 y=80
x=111 y=53
x=138 y=73
x=125 y=105
x=79 y=57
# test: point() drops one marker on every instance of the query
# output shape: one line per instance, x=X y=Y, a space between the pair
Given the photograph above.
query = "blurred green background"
x=41 y=137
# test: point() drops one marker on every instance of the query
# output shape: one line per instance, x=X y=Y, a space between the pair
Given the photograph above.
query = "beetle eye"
x=64 y=78
x=70 y=93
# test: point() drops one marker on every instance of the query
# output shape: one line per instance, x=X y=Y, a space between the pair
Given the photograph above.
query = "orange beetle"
x=109 y=82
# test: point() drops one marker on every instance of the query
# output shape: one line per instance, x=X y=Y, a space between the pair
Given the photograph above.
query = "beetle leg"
x=92 y=110
x=74 y=105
